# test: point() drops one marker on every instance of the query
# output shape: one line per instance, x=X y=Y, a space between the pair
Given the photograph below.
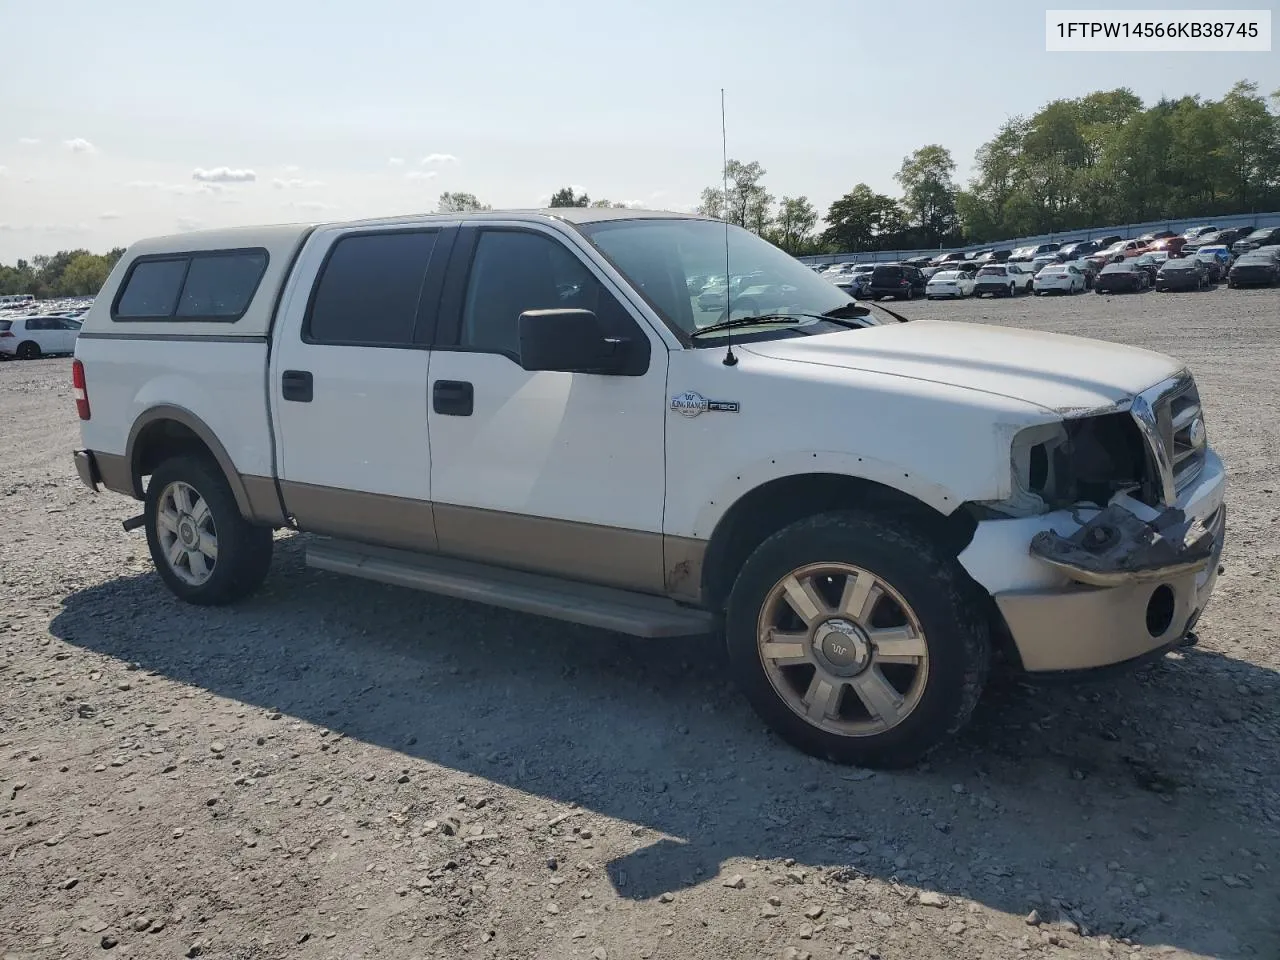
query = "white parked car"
x=517 y=409
x=30 y=337
x=1003 y=279
x=949 y=283
x=1059 y=278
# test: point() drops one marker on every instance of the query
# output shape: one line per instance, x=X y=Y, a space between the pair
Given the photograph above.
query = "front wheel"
x=203 y=549
x=857 y=639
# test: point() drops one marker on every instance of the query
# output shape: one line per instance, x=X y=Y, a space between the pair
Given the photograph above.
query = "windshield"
x=658 y=256
x=946 y=275
x=991 y=272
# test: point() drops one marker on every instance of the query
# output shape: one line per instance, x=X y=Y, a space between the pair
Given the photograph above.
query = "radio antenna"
x=729 y=359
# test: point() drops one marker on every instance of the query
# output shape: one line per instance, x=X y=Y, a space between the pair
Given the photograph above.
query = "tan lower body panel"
x=631 y=559
x=115 y=473
x=683 y=558
x=1077 y=628
x=264 y=500
x=367 y=517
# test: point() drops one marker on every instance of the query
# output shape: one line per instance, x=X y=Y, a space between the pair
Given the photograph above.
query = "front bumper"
x=1059 y=621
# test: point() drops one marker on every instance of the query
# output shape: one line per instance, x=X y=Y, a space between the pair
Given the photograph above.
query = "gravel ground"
x=339 y=769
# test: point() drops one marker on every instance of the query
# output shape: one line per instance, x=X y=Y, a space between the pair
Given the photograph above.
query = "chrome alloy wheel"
x=187 y=535
x=843 y=649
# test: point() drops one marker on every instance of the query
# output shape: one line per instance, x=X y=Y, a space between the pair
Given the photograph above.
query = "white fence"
x=1254 y=220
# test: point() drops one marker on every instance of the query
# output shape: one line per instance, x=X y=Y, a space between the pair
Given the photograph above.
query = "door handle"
x=453 y=398
x=296 y=385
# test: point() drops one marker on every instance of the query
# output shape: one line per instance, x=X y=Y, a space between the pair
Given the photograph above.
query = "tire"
x=28 y=350
x=241 y=551
x=923 y=697
x=1099 y=291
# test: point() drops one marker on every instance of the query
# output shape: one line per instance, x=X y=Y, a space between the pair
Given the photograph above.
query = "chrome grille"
x=1186 y=439
x=1169 y=415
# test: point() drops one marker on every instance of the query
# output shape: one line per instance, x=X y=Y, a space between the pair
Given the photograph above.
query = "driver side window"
x=517 y=270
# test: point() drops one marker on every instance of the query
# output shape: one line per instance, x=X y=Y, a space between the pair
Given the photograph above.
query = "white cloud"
x=314 y=205
x=184 y=189
x=396 y=162
x=189 y=223
x=291 y=168
x=419 y=174
x=439 y=158
x=79 y=145
x=109 y=215
x=4 y=171
x=29 y=141
x=295 y=182
x=223 y=175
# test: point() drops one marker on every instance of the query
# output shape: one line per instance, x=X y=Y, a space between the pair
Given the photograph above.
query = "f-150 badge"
x=690 y=404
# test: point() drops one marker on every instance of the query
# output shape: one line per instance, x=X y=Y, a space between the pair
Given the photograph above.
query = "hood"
x=1058 y=373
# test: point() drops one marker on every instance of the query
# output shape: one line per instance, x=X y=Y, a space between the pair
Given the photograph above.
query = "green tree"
x=565 y=197
x=864 y=220
x=929 y=193
x=747 y=203
x=793 y=225
x=606 y=203
x=457 y=202
x=85 y=274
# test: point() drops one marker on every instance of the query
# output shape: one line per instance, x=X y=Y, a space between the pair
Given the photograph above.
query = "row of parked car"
x=1162 y=260
x=30 y=329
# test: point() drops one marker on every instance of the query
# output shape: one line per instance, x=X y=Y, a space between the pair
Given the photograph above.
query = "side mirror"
x=568 y=341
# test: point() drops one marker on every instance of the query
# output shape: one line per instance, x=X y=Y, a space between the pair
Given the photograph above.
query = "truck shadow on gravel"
x=1144 y=806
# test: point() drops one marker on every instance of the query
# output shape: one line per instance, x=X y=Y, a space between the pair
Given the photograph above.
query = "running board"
x=608 y=608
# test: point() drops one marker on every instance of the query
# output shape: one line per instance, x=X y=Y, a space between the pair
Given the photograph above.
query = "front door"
x=561 y=473
x=348 y=383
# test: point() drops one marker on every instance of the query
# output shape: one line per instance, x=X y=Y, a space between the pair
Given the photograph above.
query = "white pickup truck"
x=532 y=410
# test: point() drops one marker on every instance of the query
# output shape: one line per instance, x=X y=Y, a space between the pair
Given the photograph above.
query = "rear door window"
x=369 y=290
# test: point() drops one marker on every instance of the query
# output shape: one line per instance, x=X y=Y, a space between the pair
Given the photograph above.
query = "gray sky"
x=139 y=117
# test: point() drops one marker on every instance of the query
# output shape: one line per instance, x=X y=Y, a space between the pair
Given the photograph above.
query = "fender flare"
x=169 y=411
x=942 y=499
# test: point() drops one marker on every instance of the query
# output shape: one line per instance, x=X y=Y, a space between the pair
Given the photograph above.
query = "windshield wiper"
x=787 y=318
x=858 y=310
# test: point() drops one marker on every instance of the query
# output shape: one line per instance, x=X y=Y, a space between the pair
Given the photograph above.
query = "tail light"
x=903 y=282
x=6 y=333
x=81 y=391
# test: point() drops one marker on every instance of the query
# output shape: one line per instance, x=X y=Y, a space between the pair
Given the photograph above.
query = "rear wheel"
x=28 y=350
x=857 y=640
x=203 y=549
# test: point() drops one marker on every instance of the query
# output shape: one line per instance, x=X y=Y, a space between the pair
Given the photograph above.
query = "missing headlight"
x=1078 y=461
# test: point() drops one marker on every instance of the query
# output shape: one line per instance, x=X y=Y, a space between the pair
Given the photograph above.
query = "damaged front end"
x=1108 y=547
x=1119 y=472
x=1116 y=547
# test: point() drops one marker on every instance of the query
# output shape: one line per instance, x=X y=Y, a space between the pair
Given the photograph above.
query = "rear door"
x=348 y=382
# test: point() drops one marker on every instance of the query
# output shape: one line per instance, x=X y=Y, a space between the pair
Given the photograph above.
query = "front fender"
x=747 y=478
